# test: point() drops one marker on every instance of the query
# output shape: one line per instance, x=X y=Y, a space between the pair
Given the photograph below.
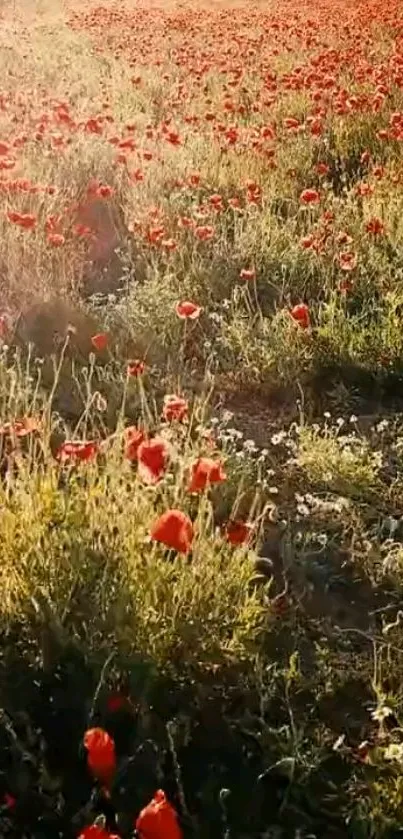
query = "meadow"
x=201 y=419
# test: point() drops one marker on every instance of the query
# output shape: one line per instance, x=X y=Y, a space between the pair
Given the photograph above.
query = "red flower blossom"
x=173 y=138
x=247 y=274
x=300 y=314
x=25 y=220
x=117 y=702
x=187 y=310
x=8 y=801
x=134 y=437
x=204 y=232
x=175 y=530
x=307 y=241
x=78 y=451
x=101 y=756
x=345 y=285
x=56 y=239
x=348 y=261
x=104 y=191
x=375 y=226
x=158 y=820
x=95 y=831
x=135 y=367
x=100 y=341
x=309 y=196
x=204 y=472
x=175 y=408
x=238 y=532
x=363 y=189
x=152 y=456
x=194 y=178
x=292 y=123
x=82 y=230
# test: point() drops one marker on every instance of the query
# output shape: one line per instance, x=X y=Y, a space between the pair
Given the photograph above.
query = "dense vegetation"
x=201 y=440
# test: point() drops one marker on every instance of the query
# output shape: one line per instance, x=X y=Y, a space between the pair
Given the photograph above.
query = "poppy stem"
x=98 y=688
x=178 y=776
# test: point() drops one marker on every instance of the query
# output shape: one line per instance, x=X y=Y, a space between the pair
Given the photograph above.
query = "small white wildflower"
x=250 y=445
x=278 y=438
x=381 y=713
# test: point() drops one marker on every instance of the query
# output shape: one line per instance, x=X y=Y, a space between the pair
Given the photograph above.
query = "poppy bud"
x=101 y=757
x=158 y=820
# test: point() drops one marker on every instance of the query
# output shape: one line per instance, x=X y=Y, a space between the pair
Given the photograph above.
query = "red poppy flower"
x=187 y=310
x=247 y=274
x=152 y=456
x=8 y=801
x=82 y=230
x=101 y=756
x=175 y=408
x=292 y=123
x=104 y=191
x=56 y=239
x=158 y=820
x=117 y=702
x=300 y=314
x=204 y=232
x=135 y=367
x=345 y=285
x=134 y=437
x=375 y=226
x=309 y=196
x=77 y=451
x=238 y=532
x=95 y=831
x=307 y=241
x=204 y=472
x=348 y=261
x=194 y=178
x=100 y=341
x=25 y=220
x=175 y=530
x=364 y=189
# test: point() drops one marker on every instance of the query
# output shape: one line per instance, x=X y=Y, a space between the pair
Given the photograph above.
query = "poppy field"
x=201 y=419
